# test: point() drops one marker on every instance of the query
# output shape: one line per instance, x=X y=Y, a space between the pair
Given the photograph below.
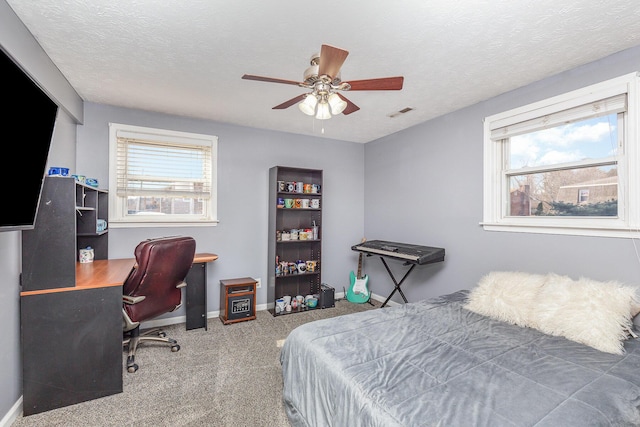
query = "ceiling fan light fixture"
x=308 y=106
x=323 y=111
x=336 y=103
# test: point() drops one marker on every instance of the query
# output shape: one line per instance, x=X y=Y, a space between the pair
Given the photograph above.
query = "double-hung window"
x=566 y=165
x=161 y=178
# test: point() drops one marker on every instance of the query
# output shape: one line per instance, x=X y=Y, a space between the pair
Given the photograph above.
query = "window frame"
x=626 y=224
x=118 y=217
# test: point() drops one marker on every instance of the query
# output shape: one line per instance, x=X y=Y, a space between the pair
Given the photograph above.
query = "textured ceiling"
x=187 y=57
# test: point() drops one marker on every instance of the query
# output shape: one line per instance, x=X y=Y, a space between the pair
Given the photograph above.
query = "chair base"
x=135 y=337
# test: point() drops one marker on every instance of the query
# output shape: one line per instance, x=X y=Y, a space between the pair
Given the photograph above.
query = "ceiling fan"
x=323 y=78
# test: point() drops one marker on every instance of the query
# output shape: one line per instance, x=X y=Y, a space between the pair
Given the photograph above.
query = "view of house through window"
x=569 y=164
x=567 y=170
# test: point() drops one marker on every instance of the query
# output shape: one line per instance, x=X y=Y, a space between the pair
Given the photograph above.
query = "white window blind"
x=602 y=107
x=159 y=176
x=163 y=169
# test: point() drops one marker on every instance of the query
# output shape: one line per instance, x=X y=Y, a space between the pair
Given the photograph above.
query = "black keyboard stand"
x=395 y=282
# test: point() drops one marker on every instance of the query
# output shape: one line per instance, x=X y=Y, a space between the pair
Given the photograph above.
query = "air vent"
x=399 y=112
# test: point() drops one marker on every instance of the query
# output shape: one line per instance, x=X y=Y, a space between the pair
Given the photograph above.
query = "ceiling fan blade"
x=269 y=80
x=331 y=60
x=290 y=102
x=385 y=83
x=351 y=107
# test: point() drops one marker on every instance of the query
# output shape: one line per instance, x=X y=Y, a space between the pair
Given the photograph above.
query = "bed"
x=437 y=363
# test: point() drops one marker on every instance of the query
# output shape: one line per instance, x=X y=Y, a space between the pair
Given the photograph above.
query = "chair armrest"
x=181 y=284
x=132 y=300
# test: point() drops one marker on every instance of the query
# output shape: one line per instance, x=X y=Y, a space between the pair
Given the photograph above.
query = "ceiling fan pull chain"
x=313 y=126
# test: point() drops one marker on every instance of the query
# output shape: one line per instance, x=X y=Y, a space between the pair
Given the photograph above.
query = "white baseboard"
x=12 y=415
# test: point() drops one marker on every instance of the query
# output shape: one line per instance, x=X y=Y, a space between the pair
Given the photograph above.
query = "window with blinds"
x=566 y=165
x=160 y=176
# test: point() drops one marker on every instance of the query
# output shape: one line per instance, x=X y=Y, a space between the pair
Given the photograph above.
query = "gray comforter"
x=433 y=363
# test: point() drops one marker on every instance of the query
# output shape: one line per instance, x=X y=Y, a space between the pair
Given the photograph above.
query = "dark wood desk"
x=72 y=336
x=113 y=272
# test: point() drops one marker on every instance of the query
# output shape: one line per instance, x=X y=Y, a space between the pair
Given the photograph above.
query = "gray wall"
x=11 y=367
x=424 y=186
x=244 y=158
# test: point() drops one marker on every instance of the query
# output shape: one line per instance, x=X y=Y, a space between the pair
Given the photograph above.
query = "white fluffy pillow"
x=597 y=314
x=506 y=296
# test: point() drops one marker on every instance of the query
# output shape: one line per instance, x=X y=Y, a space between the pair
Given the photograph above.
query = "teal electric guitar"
x=358 y=291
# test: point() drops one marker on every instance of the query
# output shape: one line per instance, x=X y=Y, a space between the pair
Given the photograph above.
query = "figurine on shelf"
x=302 y=266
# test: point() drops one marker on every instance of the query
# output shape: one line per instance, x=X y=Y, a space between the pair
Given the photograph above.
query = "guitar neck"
x=360 y=266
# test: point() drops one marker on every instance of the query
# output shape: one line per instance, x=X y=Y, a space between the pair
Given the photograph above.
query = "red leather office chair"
x=154 y=288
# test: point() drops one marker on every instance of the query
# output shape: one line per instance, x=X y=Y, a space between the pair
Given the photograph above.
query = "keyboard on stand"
x=414 y=254
x=411 y=255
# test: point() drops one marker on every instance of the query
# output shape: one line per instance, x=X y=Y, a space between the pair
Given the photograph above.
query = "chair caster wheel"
x=132 y=368
x=162 y=334
x=175 y=348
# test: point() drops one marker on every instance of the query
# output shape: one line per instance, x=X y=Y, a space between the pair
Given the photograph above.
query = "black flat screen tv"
x=28 y=121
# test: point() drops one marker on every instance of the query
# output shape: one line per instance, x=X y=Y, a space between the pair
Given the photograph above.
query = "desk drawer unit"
x=237 y=300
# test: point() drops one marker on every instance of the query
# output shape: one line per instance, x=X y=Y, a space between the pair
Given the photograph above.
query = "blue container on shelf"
x=92 y=182
x=58 y=171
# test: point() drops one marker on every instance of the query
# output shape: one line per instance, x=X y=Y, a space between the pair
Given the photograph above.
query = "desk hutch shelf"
x=67 y=221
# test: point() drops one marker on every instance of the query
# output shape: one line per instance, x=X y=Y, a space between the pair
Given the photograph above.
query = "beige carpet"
x=228 y=376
